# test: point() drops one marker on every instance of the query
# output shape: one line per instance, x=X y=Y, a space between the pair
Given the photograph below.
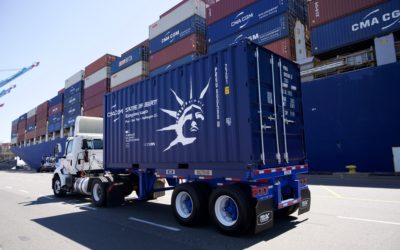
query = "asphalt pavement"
x=348 y=212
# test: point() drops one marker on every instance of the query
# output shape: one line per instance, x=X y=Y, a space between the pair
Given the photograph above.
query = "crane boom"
x=18 y=74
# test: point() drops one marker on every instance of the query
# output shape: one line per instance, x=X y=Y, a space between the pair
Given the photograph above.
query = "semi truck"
x=224 y=132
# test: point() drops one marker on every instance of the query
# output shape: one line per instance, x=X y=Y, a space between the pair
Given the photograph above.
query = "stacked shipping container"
x=21 y=128
x=179 y=34
x=73 y=101
x=341 y=23
x=270 y=23
x=97 y=83
x=41 y=121
x=14 y=131
x=131 y=67
x=55 y=114
x=31 y=125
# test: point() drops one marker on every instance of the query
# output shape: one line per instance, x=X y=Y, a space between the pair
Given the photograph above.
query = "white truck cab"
x=82 y=159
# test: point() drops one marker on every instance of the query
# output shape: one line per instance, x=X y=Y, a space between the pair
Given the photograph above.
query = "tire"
x=189 y=204
x=57 y=188
x=231 y=209
x=99 y=193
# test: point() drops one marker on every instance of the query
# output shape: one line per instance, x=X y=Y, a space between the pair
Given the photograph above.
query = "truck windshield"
x=94 y=144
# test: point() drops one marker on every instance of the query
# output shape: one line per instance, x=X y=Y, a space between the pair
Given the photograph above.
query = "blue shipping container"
x=263 y=33
x=54 y=123
x=56 y=100
x=73 y=100
x=73 y=90
x=73 y=110
x=206 y=115
x=367 y=24
x=352 y=119
x=23 y=117
x=258 y=12
x=134 y=56
x=69 y=121
x=173 y=64
x=194 y=24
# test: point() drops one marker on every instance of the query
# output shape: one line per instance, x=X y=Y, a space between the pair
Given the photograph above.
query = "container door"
x=281 y=110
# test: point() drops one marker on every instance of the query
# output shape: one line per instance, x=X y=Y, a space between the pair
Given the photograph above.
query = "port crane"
x=13 y=77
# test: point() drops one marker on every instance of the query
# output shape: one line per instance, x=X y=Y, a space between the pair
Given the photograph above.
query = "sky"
x=64 y=36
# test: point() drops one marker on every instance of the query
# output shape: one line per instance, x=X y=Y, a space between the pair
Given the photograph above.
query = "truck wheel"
x=189 y=204
x=57 y=189
x=98 y=193
x=231 y=209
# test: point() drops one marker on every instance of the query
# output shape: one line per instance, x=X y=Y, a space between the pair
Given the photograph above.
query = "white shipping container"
x=97 y=76
x=183 y=12
x=31 y=112
x=138 y=69
x=78 y=76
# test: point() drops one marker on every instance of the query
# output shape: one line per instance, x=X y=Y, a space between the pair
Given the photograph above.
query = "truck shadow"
x=123 y=227
x=72 y=199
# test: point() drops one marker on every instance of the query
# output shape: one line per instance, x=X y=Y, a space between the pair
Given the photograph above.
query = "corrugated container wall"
x=100 y=63
x=361 y=26
x=189 y=45
x=194 y=24
x=352 y=119
x=181 y=13
x=138 y=69
x=77 y=77
x=152 y=125
x=143 y=46
x=324 y=11
x=245 y=18
x=174 y=64
x=129 y=58
x=97 y=76
x=224 y=8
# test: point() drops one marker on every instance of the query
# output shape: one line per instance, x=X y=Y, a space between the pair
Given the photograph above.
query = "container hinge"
x=287 y=121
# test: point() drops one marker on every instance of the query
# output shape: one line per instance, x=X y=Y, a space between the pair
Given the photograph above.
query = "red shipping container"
x=41 y=131
x=98 y=88
x=284 y=47
x=194 y=43
x=56 y=109
x=95 y=112
x=21 y=126
x=100 y=63
x=30 y=135
x=31 y=120
x=144 y=44
x=128 y=83
x=41 y=123
x=61 y=91
x=323 y=11
x=172 y=9
x=93 y=102
x=42 y=110
x=224 y=8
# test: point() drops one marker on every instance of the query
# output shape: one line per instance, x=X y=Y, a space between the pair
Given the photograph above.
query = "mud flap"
x=115 y=194
x=305 y=202
x=264 y=218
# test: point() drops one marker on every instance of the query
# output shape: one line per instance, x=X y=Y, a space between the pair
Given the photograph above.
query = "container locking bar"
x=260 y=107
x=278 y=153
x=286 y=155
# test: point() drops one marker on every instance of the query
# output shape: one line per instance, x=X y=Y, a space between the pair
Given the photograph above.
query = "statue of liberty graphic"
x=188 y=117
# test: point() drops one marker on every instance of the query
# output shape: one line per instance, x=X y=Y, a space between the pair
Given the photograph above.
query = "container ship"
x=347 y=51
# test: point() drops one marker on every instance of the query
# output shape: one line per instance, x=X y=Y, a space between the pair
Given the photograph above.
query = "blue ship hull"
x=32 y=155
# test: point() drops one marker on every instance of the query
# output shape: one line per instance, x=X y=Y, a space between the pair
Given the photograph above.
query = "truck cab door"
x=70 y=160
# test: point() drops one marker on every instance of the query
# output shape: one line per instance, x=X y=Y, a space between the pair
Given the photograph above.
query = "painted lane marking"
x=24 y=191
x=368 y=220
x=373 y=200
x=155 y=224
x=332 y=192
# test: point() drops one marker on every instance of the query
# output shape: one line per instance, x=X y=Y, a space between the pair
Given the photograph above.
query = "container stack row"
x=31 y=126
x=178 y=36
x=97 y=83
x=73 y=94
x=21 y=127
x=131 y=67
x=14 y=131
x=341 y=26
x=42 y=112
x=270 y=23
